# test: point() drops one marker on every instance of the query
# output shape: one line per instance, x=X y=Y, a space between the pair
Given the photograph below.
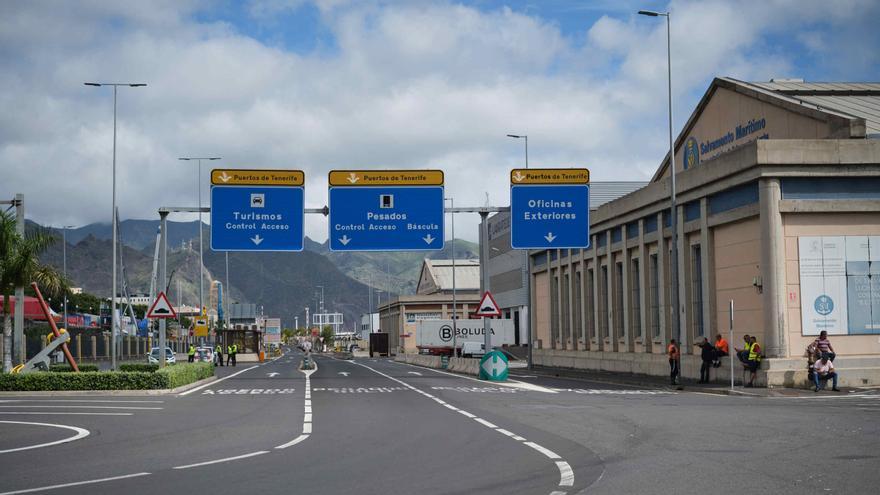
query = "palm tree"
x=19 y=266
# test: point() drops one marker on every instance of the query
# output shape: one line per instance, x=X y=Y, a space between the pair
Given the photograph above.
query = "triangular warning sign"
x=161 y=308
x=488 y=306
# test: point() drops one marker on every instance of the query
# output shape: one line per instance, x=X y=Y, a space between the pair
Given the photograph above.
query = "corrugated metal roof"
x=467 y=274
x=604 y=192
x=856 y=99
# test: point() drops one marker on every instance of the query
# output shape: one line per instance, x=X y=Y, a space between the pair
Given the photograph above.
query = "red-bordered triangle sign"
x=488 y=306
x=161 y=308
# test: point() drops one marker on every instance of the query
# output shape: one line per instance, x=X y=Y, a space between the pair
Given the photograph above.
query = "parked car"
x=153 y=356
x=473 y=349
x=204 y=355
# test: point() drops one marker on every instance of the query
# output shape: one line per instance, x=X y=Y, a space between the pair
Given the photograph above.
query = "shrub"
x=169 y=377
x=99 y=380
x=145 y=367
x=186 y=373
x=66 y=368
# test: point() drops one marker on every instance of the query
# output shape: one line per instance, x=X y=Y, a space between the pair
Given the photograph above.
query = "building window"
x=603 y=302
x=635 y=321
x=566 y=310
x=697 y=290
x=618 y=300
x=578 y=294
x=554 y=309
x=654 y=280
x=591 y=303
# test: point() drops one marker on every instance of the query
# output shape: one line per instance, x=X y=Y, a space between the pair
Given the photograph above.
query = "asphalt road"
x=373 y=426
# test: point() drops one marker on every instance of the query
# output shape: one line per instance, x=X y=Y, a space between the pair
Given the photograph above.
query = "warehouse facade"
x=778 y=190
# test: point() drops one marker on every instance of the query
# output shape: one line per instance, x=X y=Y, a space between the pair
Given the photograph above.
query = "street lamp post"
x=676 y=327
x=201 y=250
x=113 y=321
x=527 y=274
x=454 y=300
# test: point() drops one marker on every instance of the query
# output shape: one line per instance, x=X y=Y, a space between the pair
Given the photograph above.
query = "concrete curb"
x=108 y=393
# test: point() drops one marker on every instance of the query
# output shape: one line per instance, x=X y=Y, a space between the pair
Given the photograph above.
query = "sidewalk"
x=659 y=382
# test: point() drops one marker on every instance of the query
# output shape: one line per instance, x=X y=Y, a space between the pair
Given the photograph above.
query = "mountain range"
x=282 y=283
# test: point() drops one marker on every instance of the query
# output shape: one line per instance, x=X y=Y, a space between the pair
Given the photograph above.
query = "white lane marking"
x=549 y=453
x=307 y=428
x=450 y=406
x=226 y=459
x=509 y=383
x=80 y=433
x=78 y=483
x=86 y=407
x=66 y=413
x=307 y=418
x=308 y=409
x=566 y=475
x=88 y=400
x=485 y=423
x=557 y=493
x=293 y=442
x=215 y=382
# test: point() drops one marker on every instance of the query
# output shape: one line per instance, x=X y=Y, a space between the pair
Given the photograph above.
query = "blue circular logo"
x=691 y=153
x=824 y=305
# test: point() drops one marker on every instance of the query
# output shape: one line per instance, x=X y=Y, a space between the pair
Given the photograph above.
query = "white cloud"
x=429 y=84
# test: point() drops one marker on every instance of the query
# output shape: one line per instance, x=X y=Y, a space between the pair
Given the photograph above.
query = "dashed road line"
x=215 y=382
x=226 y=459
x=308 y=415
x=77 y=483
x=85 y=407
x=66 y=413
x=80 y=433
x=566 y=474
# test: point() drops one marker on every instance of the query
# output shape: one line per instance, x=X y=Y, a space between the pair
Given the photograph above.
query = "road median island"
x=171 y=377
x=464 y=366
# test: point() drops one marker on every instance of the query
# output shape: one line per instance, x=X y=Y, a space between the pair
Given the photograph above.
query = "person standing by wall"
x=218 y=354
x=674 y=361
x=824 y=347
x=191 y=354
x=707 y=354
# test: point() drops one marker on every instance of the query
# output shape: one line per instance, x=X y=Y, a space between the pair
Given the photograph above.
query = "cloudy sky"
x=327 y=84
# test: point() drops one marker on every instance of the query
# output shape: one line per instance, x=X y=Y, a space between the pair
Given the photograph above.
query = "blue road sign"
x=550 y=216
x=254 y=218
x=386 y=218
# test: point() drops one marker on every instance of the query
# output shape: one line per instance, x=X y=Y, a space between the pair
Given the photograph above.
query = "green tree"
x=328 y=335
x=19 y=266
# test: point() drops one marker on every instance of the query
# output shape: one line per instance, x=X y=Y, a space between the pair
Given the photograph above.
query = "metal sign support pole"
x=729 y=344
x=19 y=347
x=162 y=267
x=484 y=273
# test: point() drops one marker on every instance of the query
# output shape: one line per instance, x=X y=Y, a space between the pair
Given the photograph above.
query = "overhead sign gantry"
x=386 y=210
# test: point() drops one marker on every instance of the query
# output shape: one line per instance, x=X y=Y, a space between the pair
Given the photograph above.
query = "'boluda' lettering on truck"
x=436 y=336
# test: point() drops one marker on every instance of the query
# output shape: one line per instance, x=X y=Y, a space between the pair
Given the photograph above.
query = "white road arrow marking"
x=414 y=373
x=256 y=239
x=224 y=177
x=345 y=240
x=428 y=239
x=550 y=237
x=273 y=374
x=518 y=177
x=352 y=178
x=494 y=367
x=344 y=373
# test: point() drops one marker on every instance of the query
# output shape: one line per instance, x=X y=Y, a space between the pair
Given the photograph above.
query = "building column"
x=662 y=275
x=683 y=283
x=611 y=339
x=772 y=267
x=572 y=331
x=595 y=341
x=583 y=338
x=707 y=247
x=643 y=288
x=627 y=337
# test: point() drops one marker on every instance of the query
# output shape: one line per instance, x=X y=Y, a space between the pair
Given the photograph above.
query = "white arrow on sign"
x=345 y=240
x=352 y=178
x=273 y=374
x=344 y=373
x=256 y=239
x=414 y=373
x=224 y=177
x=495 y=366
x=428 y=239
x=550 y=237
x=518 y=177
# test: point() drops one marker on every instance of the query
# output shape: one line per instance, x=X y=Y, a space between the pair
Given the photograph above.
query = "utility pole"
x=484 y=273
x=163 y=267
x=19 y=347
